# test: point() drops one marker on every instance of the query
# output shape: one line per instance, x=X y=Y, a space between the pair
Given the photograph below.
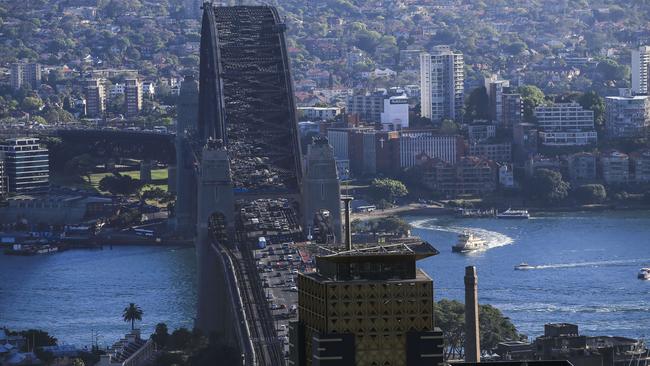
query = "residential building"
x=495 y=89
x=506 y=176
x=26 y=165
x=478 y=132
x=641 y=166
x=442 y=78
x=23 y=73
x=582 y=167
x=131 y=350
x=627 y=116
x=524 y=141
x=367 y=106
x=413 y=143
x=148 y=89
x=615 y=167
x=369 y=305
x=536 y=162
x=470 y=175
x=498 y=152
x=132 y=97
x=95 y=92
x=115 y=90
x=319 y=113
x=565 y=124
x=513 y=110
x=640 y=62
x=395 y=115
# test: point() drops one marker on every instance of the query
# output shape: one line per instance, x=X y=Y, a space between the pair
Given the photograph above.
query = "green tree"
x=32 y=104
x=389 y=189
x=80 y=165
x=391 y=224
x=495 y=328
x=449 y=127
x=590 y=193
x=531 y=97
x=132 y=313
x=477 y=105
x=547 y=186
x=36 y=338
x=180 y=339
x=160 y=335
x=594 y=102
x=120 y=184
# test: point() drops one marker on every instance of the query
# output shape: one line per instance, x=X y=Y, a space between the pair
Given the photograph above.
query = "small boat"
x=468 y=243
x=644 y=274
x=513 y=214
x=523 y=266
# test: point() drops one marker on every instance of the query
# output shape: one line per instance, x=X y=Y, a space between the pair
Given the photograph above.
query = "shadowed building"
x=367 y=306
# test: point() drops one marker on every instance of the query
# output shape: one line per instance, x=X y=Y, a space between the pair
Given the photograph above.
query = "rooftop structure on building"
x=367 y=305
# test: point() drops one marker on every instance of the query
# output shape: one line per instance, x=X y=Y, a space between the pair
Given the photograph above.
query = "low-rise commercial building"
x=499 y=152
x=470 y=175
x=319 y=113
x=55 y=209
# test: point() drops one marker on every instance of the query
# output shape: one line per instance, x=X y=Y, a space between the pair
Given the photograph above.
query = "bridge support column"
x=321 y=186
x=171 y=178
x=145 y=171
x=215 y=195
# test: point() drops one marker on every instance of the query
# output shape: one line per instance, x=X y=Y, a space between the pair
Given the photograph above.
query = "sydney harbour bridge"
x=239 y=165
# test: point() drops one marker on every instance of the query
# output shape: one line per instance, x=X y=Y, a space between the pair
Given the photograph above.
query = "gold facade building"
x=369 y=306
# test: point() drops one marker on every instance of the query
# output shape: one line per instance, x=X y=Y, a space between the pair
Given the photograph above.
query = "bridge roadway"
x=258 y=338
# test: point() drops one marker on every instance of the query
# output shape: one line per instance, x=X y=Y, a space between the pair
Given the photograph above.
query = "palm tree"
x=131 y=314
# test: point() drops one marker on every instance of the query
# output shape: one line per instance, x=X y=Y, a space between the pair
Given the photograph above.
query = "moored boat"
x=513 y=214
x=644 y=274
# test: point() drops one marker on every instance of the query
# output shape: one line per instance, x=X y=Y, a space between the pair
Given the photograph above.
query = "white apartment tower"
x=640 y=62
x=442 y=78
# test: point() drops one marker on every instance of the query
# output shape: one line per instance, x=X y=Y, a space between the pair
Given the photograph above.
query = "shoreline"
x=431 y=210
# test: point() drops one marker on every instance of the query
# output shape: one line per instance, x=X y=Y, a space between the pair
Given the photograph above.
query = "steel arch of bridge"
x=246 y=97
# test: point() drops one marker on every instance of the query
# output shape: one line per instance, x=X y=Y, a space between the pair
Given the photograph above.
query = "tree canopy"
x=547 y=186
x=388 y=189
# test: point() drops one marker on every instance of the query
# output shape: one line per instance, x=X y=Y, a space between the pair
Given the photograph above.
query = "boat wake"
x=621 y=262
x=492 y=238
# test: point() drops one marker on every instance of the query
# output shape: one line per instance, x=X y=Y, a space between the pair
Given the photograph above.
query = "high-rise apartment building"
x=640 y=62
x=367 y=306
x=132 y=97
x=627 y=116
x=513 y=110
x=95 y=92
x=565 y=124
x=442 y=78
x=3 y=176
x=495 y=88
x=23 y=73
x=27 y=166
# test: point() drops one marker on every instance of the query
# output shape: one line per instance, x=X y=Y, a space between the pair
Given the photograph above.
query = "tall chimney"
x=472 y=330
x=348 y=225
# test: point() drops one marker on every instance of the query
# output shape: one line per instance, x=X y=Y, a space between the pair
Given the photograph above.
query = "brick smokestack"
x=472 y=330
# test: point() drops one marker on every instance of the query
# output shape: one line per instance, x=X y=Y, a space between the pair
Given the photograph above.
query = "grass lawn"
x=158 y=178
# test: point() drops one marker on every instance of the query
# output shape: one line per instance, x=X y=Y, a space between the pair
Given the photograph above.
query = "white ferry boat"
x=513 y=214
x=468 y=243
x=644 y=274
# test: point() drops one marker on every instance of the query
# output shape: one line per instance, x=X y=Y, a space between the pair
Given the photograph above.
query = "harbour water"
x=585 y=272
x=75 y=293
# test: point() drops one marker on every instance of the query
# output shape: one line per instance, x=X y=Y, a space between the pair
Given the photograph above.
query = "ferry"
x=27 y=249
x=513 y=214
x=523 y=266
x=468 y=243
x=644 y=274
